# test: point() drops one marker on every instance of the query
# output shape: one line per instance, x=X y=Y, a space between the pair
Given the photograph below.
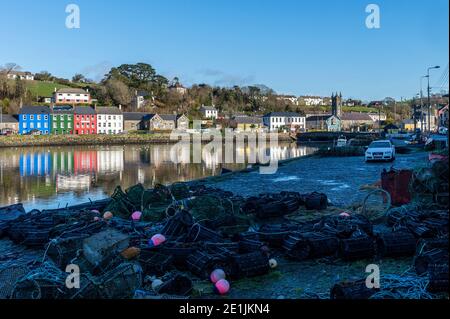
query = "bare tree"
x=10 y=67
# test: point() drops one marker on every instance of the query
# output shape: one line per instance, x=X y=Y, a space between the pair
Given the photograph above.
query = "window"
x=114 y=117
x=46 y=125
x=54 y=125
x=24 y=117
x=38 y=117
x=54 y=117
x=31 y=117
x=38 y=125
x=24 y=125
x=31 y=125
x=62 y=125
x=69 y=125
x=45 y=117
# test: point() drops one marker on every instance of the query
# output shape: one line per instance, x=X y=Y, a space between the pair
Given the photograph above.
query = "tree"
x=10 y=67
x=43 y=76
x=119 y=92
x=134 y=75
x=78 y=78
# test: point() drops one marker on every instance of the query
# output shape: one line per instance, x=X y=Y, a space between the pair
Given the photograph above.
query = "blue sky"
x=293 y=46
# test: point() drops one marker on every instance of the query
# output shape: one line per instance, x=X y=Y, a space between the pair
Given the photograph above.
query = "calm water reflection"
x=48 y=177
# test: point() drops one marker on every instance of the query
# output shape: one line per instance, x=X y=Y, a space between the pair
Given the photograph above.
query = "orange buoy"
x=130 y=252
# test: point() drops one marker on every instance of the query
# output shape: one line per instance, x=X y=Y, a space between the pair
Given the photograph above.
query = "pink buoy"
x=222 y=286
x=217 y=275
x=157 y=240
x=344 y=214
x=96 y=218
x=136 y=215
x=95 y=211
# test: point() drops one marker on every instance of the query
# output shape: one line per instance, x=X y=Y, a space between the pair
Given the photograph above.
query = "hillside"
x=43 y=88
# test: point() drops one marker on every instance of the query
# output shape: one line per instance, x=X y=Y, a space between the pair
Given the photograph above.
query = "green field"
x=43 y=88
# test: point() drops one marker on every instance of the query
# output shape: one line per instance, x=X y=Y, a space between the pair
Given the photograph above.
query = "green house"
x=62 y=120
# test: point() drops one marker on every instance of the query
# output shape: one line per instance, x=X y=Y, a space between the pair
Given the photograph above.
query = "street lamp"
x=421 y=102
x=429 y=101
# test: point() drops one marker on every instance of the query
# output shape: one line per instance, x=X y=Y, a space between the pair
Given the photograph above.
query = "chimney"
x=120 y=107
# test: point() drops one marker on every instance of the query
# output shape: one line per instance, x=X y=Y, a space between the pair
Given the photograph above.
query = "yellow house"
x=248 y=123
x=408 y=125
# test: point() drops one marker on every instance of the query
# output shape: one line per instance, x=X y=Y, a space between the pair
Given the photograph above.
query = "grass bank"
x=68 y=140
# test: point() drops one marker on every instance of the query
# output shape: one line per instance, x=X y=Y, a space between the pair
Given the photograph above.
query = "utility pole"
x=429 y=99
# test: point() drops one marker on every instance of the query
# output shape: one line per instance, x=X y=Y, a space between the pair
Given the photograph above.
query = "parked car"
x=34 y=132
x=382 y=150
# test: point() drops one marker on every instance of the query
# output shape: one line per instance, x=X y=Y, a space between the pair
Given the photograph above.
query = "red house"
x=84 y=120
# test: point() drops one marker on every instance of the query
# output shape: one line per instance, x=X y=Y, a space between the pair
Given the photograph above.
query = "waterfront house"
x=209 y=112
x=165 y=122
x=279 y=120
x=247 y=123
x=34 y=118
x=9 y=123
x=62 y=120
x=85 y=120
x=133 y=121
x=323 y=122
x=391 y=129
x=377 y=117
x=309 y=100
x=71 y=96
x=288 y=98
x=408 y=125
x=354 y=121
x=109 y=119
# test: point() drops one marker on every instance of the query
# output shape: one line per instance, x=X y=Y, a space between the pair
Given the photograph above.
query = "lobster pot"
x=271 y=210
x=438 y=278
x=64 y=250
x=201 y=264
x=8 y=277
x=427 y=258
x=396 y=244
x=427 y=244
x=201 y=233
x=155 y=263
x=250 y=265
x=296 y=247
x=248 y=235
x=419 y=230
x=229 y=247
x=121 y=282
x=177 y=284
x=352 y=290
x=3 y=228
x=179 y=253
x=274 y=235
x=316 y=201
x=291 y=204
x=178 y=225
x=249 y=245
x=322 y=246
x=357 y=248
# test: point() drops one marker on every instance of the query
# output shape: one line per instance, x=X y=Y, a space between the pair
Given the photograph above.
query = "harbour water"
x=51 y=177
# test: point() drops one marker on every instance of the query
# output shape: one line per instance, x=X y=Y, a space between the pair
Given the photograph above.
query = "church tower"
x=336 y=104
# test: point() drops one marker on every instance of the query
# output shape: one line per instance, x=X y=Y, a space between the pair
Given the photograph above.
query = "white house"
x=21 y=75
x=71 y=96
x=209 y=112
x=109 y=120
x=312 y=100
x=377 y=117
x=291 y=120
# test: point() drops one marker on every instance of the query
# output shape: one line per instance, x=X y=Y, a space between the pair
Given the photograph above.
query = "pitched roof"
x=84 y=110
x=315 y=118
x=133 y=116
x=7 y=118
x=354 y=116
x=71 y=90
x=39 y=109
x=208 y=108
x=248 y=120
x=282 y=114
x=62 y=110
x=108 y=110
x=168 y=117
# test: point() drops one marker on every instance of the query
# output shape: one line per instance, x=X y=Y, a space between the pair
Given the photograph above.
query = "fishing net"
x=376 y=204
x=206 y=207
x=403 y=287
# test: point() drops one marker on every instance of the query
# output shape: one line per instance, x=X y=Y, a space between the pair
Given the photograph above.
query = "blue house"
x=34 y=118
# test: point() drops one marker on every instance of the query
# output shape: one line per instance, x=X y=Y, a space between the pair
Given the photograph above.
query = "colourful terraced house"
x=62 y=120
x=34 y=119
